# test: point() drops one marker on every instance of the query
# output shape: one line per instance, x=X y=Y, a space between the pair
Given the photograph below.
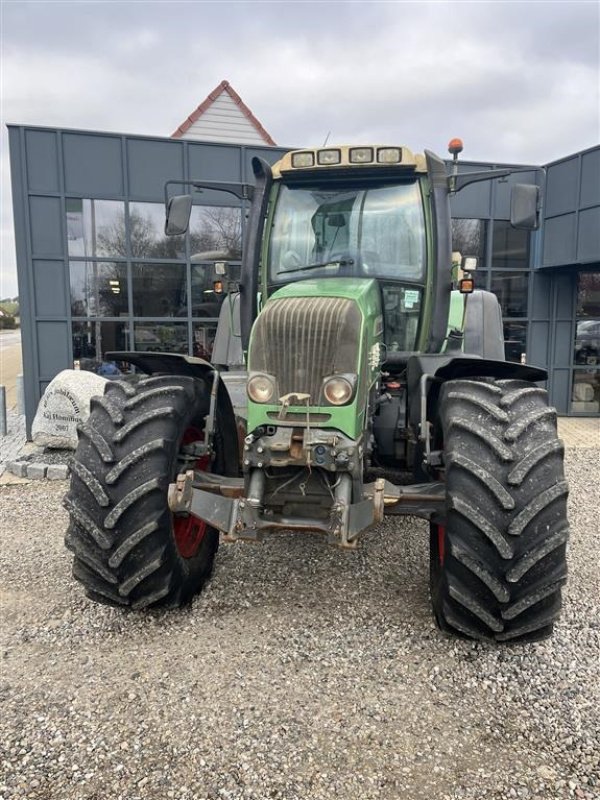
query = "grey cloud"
x=517 y=81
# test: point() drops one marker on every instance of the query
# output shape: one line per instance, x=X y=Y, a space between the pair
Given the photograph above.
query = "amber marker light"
x=455 y=146
x=466 y=285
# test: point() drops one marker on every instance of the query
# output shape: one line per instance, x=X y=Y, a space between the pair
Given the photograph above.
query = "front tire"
x=499 y=561
x=128 y=549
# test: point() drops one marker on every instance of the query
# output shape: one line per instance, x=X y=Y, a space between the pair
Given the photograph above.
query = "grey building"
x=97 y=274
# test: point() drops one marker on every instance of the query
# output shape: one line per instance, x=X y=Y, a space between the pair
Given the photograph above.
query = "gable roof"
x=225 y=92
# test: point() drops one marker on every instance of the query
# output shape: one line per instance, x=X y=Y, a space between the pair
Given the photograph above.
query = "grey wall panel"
x=588 y=239
x=49 y=288
x=561 y=390
x=540 y=295
x=53 y=348
x=564 y=287
x=42 y=161
x=537 y=348
x=92 y=165
x=559 y=241
x=562 y=184
x=590 y=178
x=16 y=137
x=151 y=164
x=563 y=344
x=46 y=226
x=215 y=162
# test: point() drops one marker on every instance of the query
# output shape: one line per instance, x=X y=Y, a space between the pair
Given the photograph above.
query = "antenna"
x=326 y=139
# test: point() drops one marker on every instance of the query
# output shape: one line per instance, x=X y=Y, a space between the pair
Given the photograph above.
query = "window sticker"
x=411 y=298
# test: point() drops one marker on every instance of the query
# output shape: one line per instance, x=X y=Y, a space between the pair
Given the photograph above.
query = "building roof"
x=223 y=117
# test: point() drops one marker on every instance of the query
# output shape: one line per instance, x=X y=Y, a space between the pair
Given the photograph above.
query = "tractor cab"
x=362 y=223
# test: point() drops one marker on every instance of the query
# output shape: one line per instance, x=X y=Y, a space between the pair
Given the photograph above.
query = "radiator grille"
x=301 y=340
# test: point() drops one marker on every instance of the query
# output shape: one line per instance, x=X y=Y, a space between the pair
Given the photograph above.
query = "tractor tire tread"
x=121 y=529
x=500 y=573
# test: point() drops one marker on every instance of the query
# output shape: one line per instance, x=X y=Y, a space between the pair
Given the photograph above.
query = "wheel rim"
x=188 y=530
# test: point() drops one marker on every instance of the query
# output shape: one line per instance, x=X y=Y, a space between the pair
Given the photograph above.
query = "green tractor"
x=373 y=381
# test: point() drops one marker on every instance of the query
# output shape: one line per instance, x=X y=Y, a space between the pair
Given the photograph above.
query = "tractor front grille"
x=301 y=340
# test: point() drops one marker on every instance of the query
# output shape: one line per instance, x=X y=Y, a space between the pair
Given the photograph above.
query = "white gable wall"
x=223 y=121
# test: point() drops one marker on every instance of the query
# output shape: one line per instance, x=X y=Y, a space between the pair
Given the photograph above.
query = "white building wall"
x=224 y=121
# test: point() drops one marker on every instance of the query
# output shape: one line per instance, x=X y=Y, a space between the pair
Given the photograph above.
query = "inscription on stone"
x=65 y=403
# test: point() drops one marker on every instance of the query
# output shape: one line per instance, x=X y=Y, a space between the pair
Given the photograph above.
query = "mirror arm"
x=243 y=191
x=458 y=182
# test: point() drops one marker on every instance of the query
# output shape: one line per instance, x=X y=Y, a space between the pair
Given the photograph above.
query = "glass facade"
x=502 y=269
x=585 y=387
x=133 y=288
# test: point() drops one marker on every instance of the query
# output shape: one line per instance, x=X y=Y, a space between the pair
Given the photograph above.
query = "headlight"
x=361 y=155
x=389 y=155
x=329 y=157
x=303 y=159
x=337 y=390
x=260 y=388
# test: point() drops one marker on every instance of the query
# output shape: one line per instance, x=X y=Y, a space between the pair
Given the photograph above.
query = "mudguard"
x=230 y=429
x=444 y=368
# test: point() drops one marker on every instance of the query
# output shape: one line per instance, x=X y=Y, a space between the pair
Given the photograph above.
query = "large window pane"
x=468 y=238
x=98 y=288
x=91 y=340
x=159 y=290
x=147 y=233
x=587 y=342
x=96 y=228
x=511 y=290
x=159 y=337
x=205 y=302
x=588 y=294
x=510 y=247
x=203 y=338
x=585 y=393
x=215 y=232
x=515 y=341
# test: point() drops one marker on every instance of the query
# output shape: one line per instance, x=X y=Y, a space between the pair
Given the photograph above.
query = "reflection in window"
x=587 y=342
x=91 y=340
x=147 y=233
x=215 y=232
x=468 y=238
x=158 y=337
x=401 y=313
x=585 y=393
x=515 y=341
x=203 y=338
x=588 y=294
x=159 y=290
x=205 y=302
x=96 y=228
x=511 y=290
x=98 y=289
x=379 y=232
x=510 y=247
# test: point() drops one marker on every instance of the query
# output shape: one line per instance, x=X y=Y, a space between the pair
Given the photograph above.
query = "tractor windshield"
x=374 y=232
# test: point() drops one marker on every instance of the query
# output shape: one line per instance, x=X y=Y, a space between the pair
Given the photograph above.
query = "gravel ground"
x=302 y=672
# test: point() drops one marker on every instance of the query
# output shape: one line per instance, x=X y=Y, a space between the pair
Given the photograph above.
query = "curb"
x=38 y=470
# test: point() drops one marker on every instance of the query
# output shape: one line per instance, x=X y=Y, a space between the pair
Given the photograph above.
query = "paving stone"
x=36 y=471
x=18 y=468
x=57 y=472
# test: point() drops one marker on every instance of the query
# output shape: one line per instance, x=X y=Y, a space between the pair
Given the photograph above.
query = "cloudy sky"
x=517 y=81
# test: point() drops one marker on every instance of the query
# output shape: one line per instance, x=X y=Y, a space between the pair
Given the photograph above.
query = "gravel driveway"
x=302 y=672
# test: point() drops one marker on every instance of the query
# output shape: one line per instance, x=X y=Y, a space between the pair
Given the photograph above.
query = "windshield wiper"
x=340 y=262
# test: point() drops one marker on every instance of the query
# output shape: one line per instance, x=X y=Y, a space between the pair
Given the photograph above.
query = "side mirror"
x=524 y=204
x=178 y=215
